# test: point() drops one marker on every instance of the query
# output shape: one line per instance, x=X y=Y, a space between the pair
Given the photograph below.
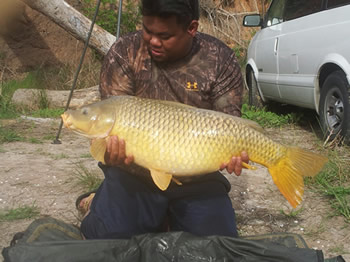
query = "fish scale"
x=170 y=138
x=169 y=131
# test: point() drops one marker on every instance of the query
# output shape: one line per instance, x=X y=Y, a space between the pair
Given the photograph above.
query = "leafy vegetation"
x=61 y=78
x=7 y=109
x=267 y=118
x=87 y=179
x=47 y=112
x=241 y=55
x=293 y=213
x=334 y=181
x=49 y=137
x=43 y=101
x=8 y=135
x=60 y=156
x=88 y=155
x=33 y=80
x=34 y=140
x=22 y=212
x=108 y=15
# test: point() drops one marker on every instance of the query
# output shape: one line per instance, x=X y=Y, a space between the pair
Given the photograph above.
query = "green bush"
x=266 y=118
x=108 y=15
x=7 y=109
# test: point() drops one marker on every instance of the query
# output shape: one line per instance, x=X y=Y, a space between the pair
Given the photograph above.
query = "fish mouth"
x=68 y=123
x=65 y=119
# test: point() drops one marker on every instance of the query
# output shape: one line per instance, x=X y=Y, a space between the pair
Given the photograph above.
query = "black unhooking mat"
x=52 y=240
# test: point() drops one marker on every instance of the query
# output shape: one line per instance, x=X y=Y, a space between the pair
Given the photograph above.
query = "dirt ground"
x=44 y=174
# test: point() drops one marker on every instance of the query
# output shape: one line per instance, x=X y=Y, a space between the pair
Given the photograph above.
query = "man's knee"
x=204 y=216
x=92 y=227
x=124 y=206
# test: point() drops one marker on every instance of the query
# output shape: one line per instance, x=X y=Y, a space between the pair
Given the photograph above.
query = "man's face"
x=167 y=40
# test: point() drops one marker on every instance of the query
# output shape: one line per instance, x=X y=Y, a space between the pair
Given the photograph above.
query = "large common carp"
x=170 y=138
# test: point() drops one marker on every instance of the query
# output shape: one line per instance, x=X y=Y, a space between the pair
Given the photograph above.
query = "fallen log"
x=56 y=99
x=74 y=22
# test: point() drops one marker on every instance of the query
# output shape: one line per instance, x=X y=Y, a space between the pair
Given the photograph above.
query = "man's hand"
x=235 y=164
x=115 y=153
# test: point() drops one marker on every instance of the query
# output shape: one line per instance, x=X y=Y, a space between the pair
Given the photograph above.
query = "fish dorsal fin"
x=98 y=149
x=251 y=124
x=161 y=179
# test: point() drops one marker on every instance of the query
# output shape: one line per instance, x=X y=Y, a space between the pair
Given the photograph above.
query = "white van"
x=301 y=56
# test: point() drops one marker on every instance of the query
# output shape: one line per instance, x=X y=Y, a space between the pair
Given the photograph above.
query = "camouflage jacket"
x=208 y=77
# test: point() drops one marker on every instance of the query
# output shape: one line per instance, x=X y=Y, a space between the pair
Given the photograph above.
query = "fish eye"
x=85 y=111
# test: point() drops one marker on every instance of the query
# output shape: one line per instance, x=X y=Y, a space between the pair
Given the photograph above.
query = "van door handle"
x=276 y=46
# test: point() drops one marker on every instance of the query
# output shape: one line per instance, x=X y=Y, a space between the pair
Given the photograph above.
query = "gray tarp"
x=52 y=240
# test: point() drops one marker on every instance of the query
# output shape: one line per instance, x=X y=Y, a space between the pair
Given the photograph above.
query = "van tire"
x=334 y=108
x=253 y=91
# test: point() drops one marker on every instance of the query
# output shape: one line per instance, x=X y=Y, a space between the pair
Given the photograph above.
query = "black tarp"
x=52 y=240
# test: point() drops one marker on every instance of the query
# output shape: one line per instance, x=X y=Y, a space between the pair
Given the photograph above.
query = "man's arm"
x=116 y=79
x=116 y=75
x=227 y=96
x=228 y=90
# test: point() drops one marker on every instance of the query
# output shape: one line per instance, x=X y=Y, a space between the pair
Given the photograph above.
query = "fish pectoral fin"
x=161 y=179
x=98 y=149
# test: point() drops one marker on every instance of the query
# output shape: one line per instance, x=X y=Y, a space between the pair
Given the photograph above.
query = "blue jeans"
x=127 y=205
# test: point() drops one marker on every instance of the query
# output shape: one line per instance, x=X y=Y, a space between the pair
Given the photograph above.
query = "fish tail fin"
x=288 y=172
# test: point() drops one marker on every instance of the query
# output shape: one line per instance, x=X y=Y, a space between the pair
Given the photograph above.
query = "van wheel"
x=254 y=93
x=334 y=107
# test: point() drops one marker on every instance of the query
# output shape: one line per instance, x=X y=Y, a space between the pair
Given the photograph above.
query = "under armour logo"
x=192 y=87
